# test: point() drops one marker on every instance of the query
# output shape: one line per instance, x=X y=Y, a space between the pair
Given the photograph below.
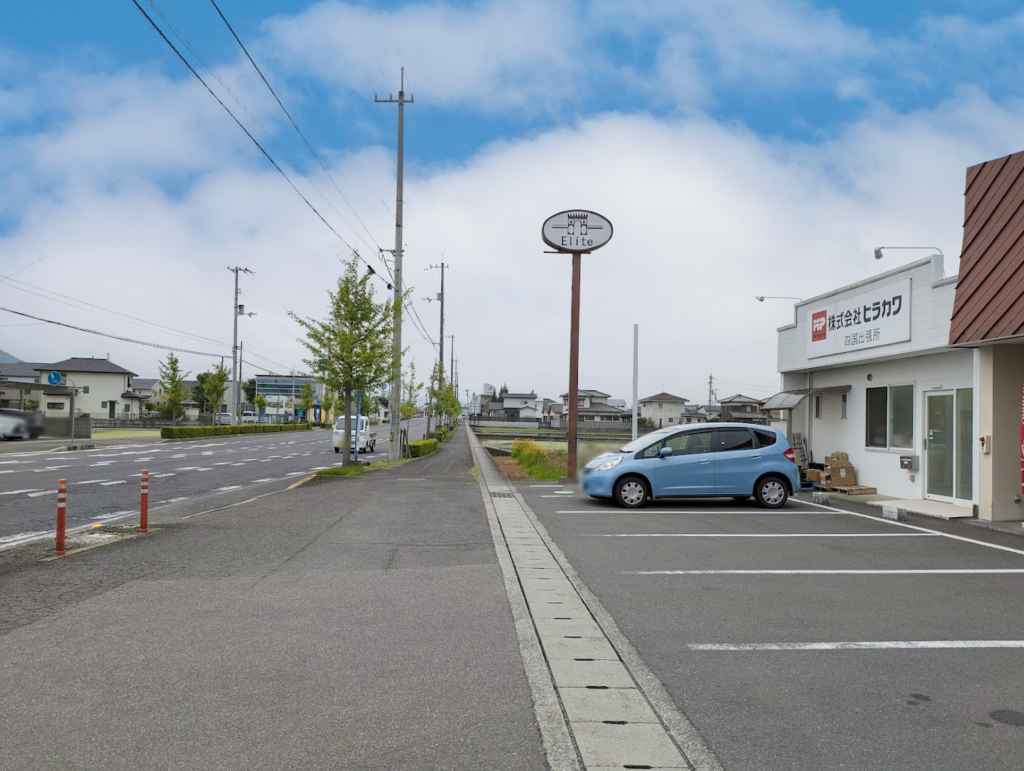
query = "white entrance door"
x=949 y=419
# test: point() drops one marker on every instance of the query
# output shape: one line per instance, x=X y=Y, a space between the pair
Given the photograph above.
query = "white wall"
x=878 y=467
x=668 y=410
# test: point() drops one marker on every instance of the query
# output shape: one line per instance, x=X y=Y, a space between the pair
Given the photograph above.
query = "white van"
x=367 y=438
x=248 y=416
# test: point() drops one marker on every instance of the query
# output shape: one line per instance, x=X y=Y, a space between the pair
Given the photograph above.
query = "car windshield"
x=642 y=441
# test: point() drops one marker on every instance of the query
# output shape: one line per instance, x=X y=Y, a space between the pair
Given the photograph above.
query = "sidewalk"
x=350 y=623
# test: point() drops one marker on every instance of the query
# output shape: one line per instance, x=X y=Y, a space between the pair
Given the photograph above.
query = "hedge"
x=422 y=447
x=196 y=432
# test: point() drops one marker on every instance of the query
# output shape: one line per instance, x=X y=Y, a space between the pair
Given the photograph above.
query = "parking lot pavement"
x=813 y=637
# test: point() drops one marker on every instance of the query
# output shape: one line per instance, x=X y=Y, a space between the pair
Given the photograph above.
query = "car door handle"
x=758 y=455
x=704 y=462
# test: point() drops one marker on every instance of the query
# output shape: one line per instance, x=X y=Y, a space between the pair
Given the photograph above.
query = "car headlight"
x=609 y=464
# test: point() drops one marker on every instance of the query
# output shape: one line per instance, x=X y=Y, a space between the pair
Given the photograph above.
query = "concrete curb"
x=554 y=728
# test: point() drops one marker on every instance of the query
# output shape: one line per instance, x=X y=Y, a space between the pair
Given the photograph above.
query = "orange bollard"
x=144 y=510
x=62 y=499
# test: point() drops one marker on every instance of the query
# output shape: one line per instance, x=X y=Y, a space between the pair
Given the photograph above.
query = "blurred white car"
x=249 y=416
x=367 y=438
x=13 y=425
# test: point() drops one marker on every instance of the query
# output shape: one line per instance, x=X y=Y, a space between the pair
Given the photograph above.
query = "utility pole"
x=239 y=311
x=440 y=297
x=636 y=369
x=238 y=398
x=711 y=394
x=453 y=352
x=396 y=368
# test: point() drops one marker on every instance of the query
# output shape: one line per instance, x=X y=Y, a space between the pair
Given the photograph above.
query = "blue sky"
x=756 y=128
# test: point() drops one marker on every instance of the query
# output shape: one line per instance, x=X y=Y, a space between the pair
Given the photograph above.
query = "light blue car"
x=700 y=461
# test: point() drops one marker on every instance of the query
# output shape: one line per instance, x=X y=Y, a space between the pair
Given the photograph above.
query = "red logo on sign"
x=819 y=326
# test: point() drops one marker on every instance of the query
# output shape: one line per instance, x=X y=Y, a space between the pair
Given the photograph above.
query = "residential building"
x=517 y=406
x=23 y=378
x=104 y=389
x=664 y=409
x=593 y=406
x=742 y=409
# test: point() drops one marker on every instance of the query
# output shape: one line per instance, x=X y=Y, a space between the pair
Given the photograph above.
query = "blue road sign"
x=53 y=378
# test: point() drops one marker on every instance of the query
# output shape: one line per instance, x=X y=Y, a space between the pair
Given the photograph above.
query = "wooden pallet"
x=847 y=489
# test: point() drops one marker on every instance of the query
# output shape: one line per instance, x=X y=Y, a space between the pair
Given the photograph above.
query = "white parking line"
x=842 y=572
x=916 y=527
x=854 y=646
x=42 y=492
x=19 y=492
x=759 y=512
x=760 y=535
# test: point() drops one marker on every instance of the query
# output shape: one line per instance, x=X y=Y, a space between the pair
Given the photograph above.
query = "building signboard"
x=576 y=230
x=880 y=316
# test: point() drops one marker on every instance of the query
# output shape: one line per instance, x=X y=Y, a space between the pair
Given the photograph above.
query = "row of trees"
x=209 y=389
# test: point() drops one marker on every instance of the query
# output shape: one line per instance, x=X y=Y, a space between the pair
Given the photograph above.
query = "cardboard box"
x=840 y=475
x=838 y=458
x=812 y=475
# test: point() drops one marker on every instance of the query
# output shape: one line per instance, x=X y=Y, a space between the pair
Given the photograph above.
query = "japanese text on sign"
x=880 y=316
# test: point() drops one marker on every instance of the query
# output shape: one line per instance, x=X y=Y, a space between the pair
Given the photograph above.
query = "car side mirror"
x=664 y=452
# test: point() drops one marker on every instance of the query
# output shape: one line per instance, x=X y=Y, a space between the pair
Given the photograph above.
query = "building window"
x=55 y=405
x=671 y=420
x=817 y=406
x=103 y=405
x=890 y=417
x=842 y=406
x=659 y=403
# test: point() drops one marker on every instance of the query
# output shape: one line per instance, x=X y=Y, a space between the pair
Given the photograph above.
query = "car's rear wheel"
x=631 y=492
x=771 y=492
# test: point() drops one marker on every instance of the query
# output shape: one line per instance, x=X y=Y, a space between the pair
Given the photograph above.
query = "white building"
x=664 y=409
x=867 y=369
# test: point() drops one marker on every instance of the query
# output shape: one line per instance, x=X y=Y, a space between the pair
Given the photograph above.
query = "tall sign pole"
x=636 y=373
x=576 y=232
x=394 y=400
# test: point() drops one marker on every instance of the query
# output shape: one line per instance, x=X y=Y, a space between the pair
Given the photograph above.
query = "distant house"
x=664 y=409
x=593 y=406
x=522 y=406
x=104 y=389
x=24 y=379
x=742 y=409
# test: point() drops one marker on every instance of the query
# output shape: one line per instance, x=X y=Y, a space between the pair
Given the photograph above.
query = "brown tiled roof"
x=989 y=301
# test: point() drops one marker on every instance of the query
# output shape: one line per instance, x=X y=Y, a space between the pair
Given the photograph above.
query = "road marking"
x=206 y=468
x=42 y=492
x=916 y=527
x=19 y=492
x=167 y=474
x=237 y=464
x=180 y=455
x=759 y=535
x=854 y=646
x=843 y=572
x=223 y=463
x=759 y=512
x=187 y=468
x=54 y=468
x=6 y=462
x=175 y=500
x=269 y=479
x=89 y=482
x=295 y=473
x=17 y=538
x=227 y=489
x=115 y=482
x=102 y=463
x=114 y=515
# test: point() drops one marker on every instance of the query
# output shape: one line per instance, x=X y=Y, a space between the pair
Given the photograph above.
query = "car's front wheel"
x=631 y=492
x=771 y=492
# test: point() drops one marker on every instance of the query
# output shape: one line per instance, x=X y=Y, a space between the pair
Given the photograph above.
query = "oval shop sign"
x=576 y=230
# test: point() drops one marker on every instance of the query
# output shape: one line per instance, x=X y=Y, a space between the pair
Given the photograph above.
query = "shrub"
x=422 y=447
x=196 y=432
x=536 y=461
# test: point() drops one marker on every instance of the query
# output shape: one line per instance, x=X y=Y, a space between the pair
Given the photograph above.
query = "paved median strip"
x=760 y=535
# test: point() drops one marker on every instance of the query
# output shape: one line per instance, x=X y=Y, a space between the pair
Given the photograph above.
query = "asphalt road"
x=350 y=623
x=185 y=477
x=854 y=691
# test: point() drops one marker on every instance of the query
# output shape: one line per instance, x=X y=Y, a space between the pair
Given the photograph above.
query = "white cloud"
x=706 y=216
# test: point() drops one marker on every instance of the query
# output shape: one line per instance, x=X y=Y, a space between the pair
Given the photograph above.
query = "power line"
x=294 y=124
x=113 y=337
x=251 y=137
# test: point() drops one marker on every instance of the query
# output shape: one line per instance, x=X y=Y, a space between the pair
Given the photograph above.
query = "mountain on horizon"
x=6 y=358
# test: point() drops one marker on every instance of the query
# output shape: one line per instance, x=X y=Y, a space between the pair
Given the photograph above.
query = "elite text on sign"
x=880 y=316
x=576 y=230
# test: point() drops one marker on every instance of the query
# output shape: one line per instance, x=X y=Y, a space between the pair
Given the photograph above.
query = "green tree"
x=351 y=349
x=215 y=386
x=199 y=391
x=411 y=390
x=173 y=381
x=326 y=405
x=249 y=388
x=261 y=403
x=307 y=399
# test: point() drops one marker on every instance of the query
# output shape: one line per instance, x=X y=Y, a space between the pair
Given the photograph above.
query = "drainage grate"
x=502 y=495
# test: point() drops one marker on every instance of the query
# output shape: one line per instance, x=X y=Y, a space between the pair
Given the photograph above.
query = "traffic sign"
x=576 y=230
x=53 y=378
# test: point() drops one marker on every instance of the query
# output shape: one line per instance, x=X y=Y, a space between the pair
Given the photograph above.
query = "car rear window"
x=734 y=439
x=766 y=438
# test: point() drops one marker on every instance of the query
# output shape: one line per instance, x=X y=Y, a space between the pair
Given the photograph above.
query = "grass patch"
x=355 y=469
x=536 y=462
x=475 y=473
x=124 y=433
